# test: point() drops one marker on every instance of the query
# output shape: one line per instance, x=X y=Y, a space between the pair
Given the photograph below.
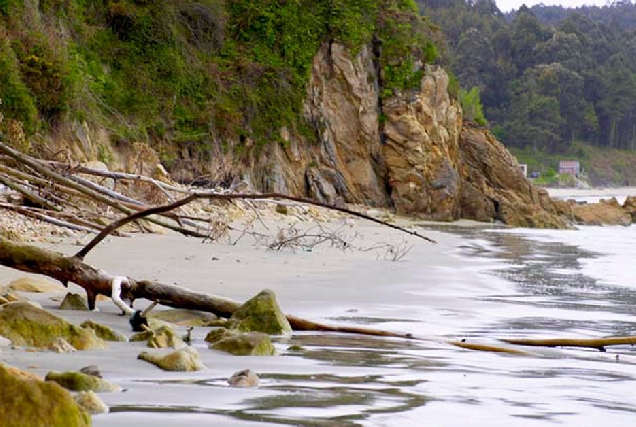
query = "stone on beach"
x=91 y=403
x=184 y=317
x=185 y=359
x=30 y=402
x=34 y=285
x=79 y=381
x=104 y=332
x=73 y=301
x=27 y=325
x=261 y=314
x=246 y=344
x=245 y=378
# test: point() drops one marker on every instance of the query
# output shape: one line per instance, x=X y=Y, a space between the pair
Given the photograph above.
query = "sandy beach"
x=438 y=292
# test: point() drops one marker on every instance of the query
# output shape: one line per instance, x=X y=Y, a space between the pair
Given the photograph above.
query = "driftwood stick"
x=26 y=193
x=597 y=343
x=217 y=196
x=47 y=218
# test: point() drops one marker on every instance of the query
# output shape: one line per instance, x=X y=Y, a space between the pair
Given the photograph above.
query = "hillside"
x=549 y=78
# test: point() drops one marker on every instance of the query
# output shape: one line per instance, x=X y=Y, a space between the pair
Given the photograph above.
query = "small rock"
x=244 y=378
x=142 y=336
x=186 y=359
x=261 y=314
x=282 y=209
x=295 y=348
x=32 y=402
x=92 y=370
x=183 y=317
x=79 y=381
x=74 y=301
x=246 y=344
x=60 y=345
x=218 y=334
x=35 y=285
x=104 y=332
x=165 y=337
x=91 y=403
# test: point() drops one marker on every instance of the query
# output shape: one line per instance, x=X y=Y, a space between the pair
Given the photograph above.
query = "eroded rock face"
x=494 y=188
x=422 y=149
x=25 y=324
x=606 y=212
x=38 y=403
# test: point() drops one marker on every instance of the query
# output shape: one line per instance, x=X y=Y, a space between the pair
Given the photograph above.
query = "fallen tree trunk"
x=66 y=269
x=597 y=343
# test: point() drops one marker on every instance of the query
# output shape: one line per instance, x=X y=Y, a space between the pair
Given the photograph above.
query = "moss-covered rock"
x=261 y=314
x=34 y=403
x=74 y=301
x=104 y=332
x=78 y=381
x=186 y=359
x=218 y=334
x=165 y=337
x=25 y=324
x=142 y=336
x=60 y=345
x=91 y=403
x=246 y=344
x=184 y=317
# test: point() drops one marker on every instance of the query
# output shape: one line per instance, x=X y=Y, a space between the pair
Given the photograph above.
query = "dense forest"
x=547 y=76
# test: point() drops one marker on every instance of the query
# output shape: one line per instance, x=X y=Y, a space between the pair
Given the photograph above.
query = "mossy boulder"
x=74 y=301
x=35 y=403
x=25 y=324
x=184 y=317
x=78 y=381
x=104 y=332
x=260 y=314
x=186 y=359
x=246 y=344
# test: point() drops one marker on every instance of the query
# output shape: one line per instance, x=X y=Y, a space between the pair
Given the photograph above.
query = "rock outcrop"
x=260 y=313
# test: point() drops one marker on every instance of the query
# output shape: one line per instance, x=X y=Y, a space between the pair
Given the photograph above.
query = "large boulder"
x=260 y=314
x=245 y=344
x=186 y=359
x=28 y=402
x=79 y=381
x=27 y=325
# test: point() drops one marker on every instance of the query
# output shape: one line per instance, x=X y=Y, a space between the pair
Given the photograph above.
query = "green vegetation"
x=547 y=76
x=194 y=71
x=471 y=105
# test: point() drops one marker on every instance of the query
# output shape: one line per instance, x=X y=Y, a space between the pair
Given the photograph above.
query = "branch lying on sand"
x=597 y=343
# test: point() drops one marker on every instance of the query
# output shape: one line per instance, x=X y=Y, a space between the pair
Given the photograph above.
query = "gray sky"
x=506 y=5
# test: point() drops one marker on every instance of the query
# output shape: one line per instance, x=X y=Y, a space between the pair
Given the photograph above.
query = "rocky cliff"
x=410 y=151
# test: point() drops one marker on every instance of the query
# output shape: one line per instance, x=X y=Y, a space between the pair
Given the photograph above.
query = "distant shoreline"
x=561 y=193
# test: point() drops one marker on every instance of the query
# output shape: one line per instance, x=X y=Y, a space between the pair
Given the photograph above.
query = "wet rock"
x=37 y=403
x=245 y=378
x=261 y=314
x=282 y=209
x=295 y=348
x=165 y=337
x=60 y=345
x=606 y=212
x=74 y=301
x=104 y=332
x=91 y=403
x=183 y=317
x=27 y=325
x=142 y=336
x=35 y=285
x=218 y=334
x=92 y=370
x=630 y=207
x=246 y=344
x=79 y=381
x=186 y=359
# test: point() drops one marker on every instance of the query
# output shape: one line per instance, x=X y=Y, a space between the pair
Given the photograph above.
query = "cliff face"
x=410 y=151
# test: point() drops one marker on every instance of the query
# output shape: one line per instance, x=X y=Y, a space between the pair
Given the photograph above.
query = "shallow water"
x=523 y=283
